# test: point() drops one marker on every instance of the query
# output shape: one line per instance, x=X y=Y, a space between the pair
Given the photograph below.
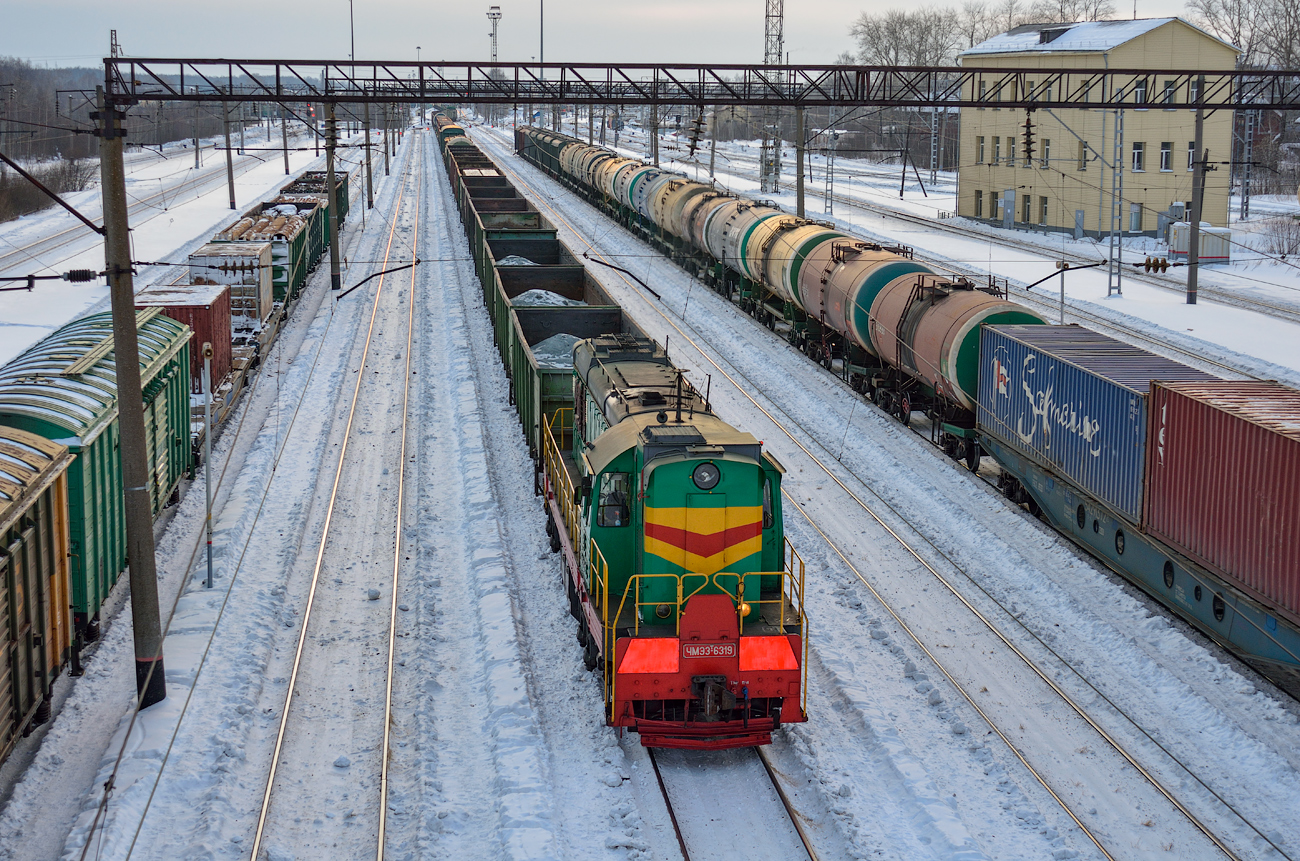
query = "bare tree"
x=1280 y=39
x=927 y=37
x=1241 y=22
x=975 y=22
x=1070 y=11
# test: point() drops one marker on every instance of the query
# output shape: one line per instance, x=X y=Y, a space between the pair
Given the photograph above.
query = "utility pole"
x=654 y=134
x=1198 y=198
x=331 y=140
x=242 y=147
x=798 y=151
x=150 y=678
x=387 y=142
x=230 y=159
x=284 y=136
x=370 y=183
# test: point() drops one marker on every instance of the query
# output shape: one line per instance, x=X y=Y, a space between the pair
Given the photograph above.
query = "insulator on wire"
x=79 y=276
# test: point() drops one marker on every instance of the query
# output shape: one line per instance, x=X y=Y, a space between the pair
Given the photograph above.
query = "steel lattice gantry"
x=286 y=81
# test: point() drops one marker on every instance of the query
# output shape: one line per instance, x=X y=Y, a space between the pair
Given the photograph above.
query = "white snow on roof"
x=1083 y=36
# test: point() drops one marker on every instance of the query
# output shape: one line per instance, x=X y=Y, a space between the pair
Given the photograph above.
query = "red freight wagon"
x=1223 y=482
x=205 y=308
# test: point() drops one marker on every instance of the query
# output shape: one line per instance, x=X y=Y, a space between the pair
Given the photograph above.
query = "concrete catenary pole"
x=1198 y=198
x=230 y=159
x=284 y=137
x=331 y=140
x=387 y=140
x=197 y=163
x=798 y=152
x=370 y=182
x=150 y=679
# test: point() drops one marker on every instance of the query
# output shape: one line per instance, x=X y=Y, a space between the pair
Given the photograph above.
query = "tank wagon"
x=686 y=594
x=35 y=628
x=911 y=339
x=907 y=336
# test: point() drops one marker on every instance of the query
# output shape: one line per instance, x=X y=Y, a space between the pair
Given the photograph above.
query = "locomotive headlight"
x=745 y=609
x=663 y=611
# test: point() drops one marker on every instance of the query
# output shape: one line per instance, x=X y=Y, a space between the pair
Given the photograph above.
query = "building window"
x=1191 y=155
x=1083 y=156
x=979 y=147
x=1047 y=151
x=1139 y=151
x=997 y=150
x=1135 y=217
x=979 y=203
x=1045 y=95
x=1011 y=152
x=1042 y=211
x=995 y=204
x=1026 y=208
x=1194 y=90
x=1140 y=92
x=1166 y=156
x=983 y=91
x=1171 y=88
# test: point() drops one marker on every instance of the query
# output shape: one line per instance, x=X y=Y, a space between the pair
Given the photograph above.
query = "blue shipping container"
x=1075 y=401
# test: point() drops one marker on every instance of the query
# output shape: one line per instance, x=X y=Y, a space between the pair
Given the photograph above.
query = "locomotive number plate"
x=709 y=650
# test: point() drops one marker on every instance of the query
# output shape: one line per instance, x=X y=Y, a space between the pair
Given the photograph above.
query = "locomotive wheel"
x=590 y=656
x=555 y=537
x=583 y=636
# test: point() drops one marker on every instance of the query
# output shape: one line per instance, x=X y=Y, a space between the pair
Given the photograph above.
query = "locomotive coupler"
x=713 y=695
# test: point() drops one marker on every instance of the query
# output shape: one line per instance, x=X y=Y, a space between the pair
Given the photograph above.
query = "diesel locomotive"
x=685 y=590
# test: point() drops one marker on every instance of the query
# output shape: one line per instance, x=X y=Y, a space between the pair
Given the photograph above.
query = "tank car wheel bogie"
x=904 y=410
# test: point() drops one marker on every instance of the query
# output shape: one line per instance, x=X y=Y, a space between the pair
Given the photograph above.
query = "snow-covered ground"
x=499 y=748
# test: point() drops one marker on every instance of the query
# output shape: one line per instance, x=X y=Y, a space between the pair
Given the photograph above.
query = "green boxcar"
x=65 y=389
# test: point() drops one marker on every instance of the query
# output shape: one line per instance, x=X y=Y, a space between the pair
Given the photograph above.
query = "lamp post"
x=352 y=30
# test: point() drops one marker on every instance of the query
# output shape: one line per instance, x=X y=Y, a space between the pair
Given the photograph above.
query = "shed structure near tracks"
x=1088 y=168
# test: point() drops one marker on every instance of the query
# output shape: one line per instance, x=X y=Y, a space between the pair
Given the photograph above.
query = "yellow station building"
x=1068 y=183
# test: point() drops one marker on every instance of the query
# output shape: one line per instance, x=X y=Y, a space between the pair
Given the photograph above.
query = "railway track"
x=1281 y=310
x=355 y=527
x=711 y=825
x=1101 y=724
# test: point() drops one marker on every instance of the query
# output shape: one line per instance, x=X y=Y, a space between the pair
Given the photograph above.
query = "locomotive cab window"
x=615 y=508
x=769 y=519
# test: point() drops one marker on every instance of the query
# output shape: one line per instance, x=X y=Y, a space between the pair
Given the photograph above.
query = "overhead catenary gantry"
x=286 y=81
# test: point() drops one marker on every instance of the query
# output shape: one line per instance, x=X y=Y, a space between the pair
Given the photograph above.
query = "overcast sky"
x=76 y=32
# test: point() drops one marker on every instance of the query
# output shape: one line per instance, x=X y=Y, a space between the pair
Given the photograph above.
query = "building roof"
x=1081 y=37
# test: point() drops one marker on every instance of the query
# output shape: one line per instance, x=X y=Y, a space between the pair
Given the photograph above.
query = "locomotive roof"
x=692 y=435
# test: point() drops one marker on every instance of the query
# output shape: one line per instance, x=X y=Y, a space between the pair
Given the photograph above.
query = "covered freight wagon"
x=1075 y=402
x=1223 y=483
x=35 y=628
x=205 y=308
x=64 y=388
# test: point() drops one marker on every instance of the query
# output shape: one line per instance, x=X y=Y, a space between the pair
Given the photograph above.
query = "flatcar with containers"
x=687 y=596
x=911 y=339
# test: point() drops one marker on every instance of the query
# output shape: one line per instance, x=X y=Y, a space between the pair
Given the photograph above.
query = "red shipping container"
x=205 y=308
x=1223 y=482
